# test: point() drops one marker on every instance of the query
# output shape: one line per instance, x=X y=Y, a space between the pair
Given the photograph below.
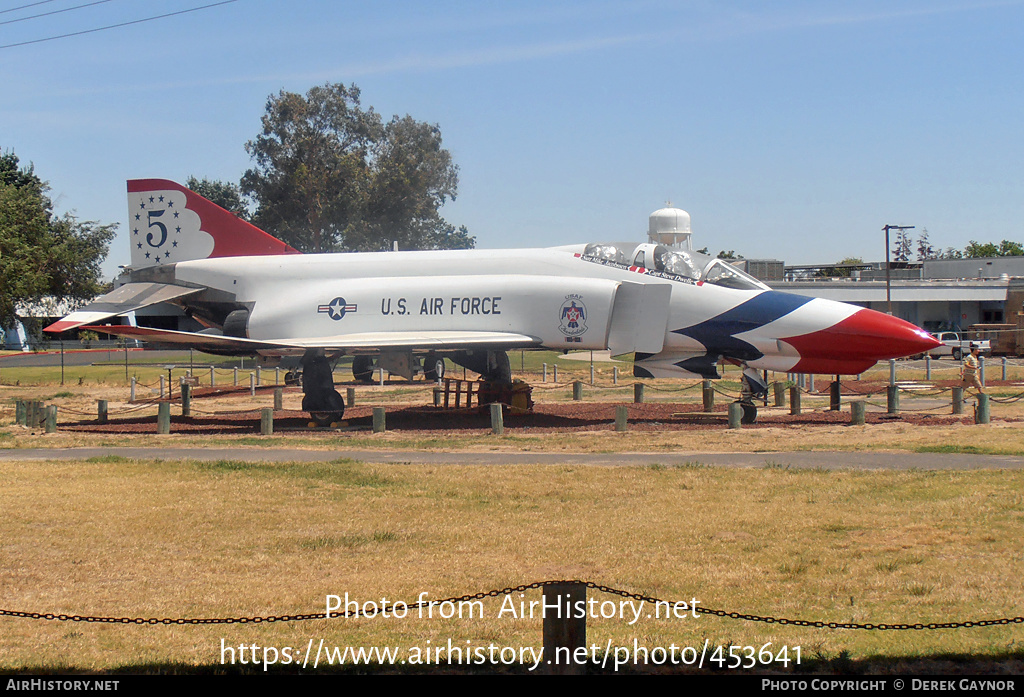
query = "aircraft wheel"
x=362 y=368
x=324 y=419
x=433 y=367
x=291 y=378
x=324 y=408
x=957 y=354
x=749 y=413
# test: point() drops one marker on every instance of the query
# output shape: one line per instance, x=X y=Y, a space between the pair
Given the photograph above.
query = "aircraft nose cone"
x=857 y=342
x=879 y=336
x=876 y=336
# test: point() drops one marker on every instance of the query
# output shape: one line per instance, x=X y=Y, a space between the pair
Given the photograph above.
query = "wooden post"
x=981 y=413
x=213 y=380
x=186 y=399
x=564 y=632
x=577 y=391
x=252 y=384
x=834 y=396
x=927 y=367
x=278 y=398
x=554 y=369
x=638 y=393
x=892 y=399
x=266 y=421
x=20 y=412
x=132 y=398
x=735 y=415
x=857 y=412
x=234 y=376
x=708 y=394
x=621 y=418
x=794 y=401
x=780 y=394
x=958 y=400
x=101 y=411
x=378 y=420
x=497 y=420
x=51 y=418
x=350 y=396
x=615 y=374
x=163 y=418
x=545 y=373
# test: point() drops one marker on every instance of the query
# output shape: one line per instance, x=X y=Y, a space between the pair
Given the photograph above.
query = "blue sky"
x=789 y=130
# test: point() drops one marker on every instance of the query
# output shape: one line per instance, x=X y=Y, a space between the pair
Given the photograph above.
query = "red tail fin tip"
x=169 y=223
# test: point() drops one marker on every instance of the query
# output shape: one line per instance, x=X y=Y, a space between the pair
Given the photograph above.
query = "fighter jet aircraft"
x=681 y=313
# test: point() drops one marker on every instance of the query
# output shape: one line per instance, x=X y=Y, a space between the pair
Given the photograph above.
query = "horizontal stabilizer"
x=366 y=341
x=131 y=296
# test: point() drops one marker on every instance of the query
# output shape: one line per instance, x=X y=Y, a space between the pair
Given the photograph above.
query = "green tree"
x=836 y=271
x=1010 y=249
x=1006 y=248
x=331 y=176
x=902 y=246
x=409 y=178
x=225 y=194
x=43 y=257
x=924 y=250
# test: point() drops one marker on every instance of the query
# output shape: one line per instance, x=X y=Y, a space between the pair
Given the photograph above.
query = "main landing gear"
x=319 y=398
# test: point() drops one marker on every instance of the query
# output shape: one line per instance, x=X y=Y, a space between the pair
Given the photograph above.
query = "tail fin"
x=170 y=223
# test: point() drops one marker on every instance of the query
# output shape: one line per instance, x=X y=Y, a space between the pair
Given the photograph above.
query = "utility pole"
x=888 y=273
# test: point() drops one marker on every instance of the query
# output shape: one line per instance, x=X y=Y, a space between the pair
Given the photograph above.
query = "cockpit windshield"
x=675 y=262
x=722 y=273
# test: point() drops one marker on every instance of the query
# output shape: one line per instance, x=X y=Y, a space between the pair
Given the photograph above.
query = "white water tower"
x=671 y=227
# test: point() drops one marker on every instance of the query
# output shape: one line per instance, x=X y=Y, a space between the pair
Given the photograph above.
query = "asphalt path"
x=803 y=460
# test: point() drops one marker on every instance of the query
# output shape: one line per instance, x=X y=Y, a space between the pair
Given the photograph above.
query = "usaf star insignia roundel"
x=337 y=308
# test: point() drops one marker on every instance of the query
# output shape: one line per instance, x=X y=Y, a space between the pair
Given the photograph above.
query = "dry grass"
x=140 y=538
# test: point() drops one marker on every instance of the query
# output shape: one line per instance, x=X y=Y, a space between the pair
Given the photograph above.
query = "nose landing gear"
x=319 y=398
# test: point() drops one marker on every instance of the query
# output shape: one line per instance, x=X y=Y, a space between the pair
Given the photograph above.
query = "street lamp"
x=888 y=273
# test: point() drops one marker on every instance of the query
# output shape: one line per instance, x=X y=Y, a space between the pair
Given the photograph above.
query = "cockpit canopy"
x=678 y=262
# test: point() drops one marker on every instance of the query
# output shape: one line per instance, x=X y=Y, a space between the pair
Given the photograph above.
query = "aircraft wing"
x=129 y=297
x=425 y=340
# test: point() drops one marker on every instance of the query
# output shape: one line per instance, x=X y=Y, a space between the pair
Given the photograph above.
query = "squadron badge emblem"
x=573 y=318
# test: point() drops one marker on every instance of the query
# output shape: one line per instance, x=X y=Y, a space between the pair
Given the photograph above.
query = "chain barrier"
x=508 y=591
x=1007 y=400
x=724 y=393
x=669 y=389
